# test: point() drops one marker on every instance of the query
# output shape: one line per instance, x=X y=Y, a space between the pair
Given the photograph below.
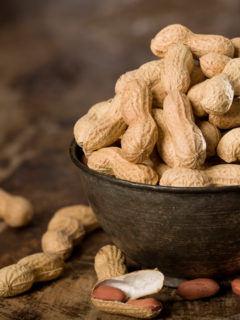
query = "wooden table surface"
x=57 y=58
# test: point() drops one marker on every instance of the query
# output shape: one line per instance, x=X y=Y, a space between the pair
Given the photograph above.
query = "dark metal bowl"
x=185 y=232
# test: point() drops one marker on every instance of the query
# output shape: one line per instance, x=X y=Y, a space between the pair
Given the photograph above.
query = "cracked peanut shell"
x=134 y=285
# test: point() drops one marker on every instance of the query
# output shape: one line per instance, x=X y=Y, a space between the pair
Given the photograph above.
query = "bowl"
x=185 y=232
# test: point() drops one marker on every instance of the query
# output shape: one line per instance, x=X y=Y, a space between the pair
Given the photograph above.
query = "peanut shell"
x=200 y=44
x=110 y=262
x=82 y=213
x=213 y=63
x=165 y=145
x=236 y=43
x=196 y=75
x=72 y=227
x=177 y=65
x=141 y=135
x=57 y=242
x=232 y=71
x=15 y=210
x=195 y=95
x=106 y=130
x=134 y=285
x=110 y=161
x=149 y=72
x=89 y=120
x=224 y=174
x=217 y=95
x=156 y=163
x=44 y=266
x=211 y=135
x=188 y=141
x=15 y=279
x=228 y=148
x=124 y=309
x=228 y=120
x=184 y=177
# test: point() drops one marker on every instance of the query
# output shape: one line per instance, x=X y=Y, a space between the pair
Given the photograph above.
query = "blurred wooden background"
x=57 y=58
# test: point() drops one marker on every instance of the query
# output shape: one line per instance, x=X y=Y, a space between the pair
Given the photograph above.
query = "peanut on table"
x=16 y=211
x=65 y=230
x=118 y=292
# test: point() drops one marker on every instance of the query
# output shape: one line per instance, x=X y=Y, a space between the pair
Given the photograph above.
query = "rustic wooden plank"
x=57 y=58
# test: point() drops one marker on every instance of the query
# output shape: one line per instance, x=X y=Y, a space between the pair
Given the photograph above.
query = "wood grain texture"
x=58 y=58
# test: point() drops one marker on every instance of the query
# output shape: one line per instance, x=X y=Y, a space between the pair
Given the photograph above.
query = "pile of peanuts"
x=173 y=121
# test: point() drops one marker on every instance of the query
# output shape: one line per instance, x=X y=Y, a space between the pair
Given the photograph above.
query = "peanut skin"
x=16 y=211
x=189 y=143
x=236 y=286
x=110 y=161
x=200 y=44
x=198 y=288
x=109 y=294
x=141 y=135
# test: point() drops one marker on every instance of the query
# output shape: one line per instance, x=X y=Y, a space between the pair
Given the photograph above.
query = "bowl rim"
x=140 y=186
